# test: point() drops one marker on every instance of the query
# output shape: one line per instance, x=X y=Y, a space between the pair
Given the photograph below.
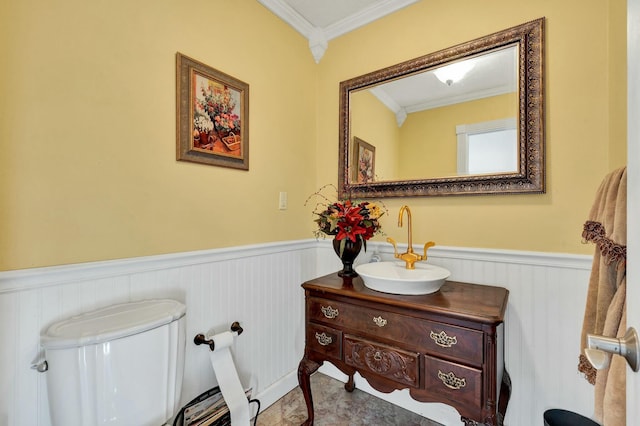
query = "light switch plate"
x=282 y=203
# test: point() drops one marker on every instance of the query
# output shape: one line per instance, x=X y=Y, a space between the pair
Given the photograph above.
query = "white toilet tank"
x=119 y=365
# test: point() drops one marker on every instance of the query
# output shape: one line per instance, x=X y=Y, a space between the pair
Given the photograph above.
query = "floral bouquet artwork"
x=212 y=115
x=215 y=117
x=350 y=222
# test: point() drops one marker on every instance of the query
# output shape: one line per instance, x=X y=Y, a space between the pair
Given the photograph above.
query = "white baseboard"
x=276 y=391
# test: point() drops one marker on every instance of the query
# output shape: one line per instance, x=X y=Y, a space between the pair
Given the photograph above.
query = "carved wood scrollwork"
x=384 y=361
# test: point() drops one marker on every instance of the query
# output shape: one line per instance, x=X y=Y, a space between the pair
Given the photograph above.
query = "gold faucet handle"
x=393 y=243
x=427 y=246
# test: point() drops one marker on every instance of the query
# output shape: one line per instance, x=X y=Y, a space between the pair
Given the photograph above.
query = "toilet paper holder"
x=200 y=339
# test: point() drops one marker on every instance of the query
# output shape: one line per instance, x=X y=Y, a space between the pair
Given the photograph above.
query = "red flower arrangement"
x=347 y=219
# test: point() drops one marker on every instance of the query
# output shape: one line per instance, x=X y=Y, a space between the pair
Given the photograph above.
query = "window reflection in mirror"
x=488 y=147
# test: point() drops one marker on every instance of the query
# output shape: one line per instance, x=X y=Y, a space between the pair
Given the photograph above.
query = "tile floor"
x=336 y=407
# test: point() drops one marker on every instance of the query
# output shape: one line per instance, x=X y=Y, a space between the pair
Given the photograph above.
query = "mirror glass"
x=468 y=119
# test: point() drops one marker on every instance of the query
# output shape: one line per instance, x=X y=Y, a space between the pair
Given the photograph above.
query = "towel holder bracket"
x=627 y=346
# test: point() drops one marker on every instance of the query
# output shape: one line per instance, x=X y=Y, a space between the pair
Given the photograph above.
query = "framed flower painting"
x=364 y=161
x=212 y=114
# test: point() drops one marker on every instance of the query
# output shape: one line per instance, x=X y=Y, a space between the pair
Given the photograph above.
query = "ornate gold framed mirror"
x=468 y=119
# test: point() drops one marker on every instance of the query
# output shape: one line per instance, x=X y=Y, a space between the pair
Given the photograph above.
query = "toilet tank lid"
x=111 y=322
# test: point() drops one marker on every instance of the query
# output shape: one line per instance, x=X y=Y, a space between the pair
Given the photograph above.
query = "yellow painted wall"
x=429 y=139
x=375 y=124
x=88 y=130
x=584 y=59
x=87 y=125
x=617 y=84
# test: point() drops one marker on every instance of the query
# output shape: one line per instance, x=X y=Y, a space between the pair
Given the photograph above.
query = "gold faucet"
x=409 y=256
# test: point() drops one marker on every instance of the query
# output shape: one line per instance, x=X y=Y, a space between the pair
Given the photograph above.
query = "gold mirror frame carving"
x=531 y=137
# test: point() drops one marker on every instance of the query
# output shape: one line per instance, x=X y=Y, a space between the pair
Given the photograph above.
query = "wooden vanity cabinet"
x=444 y=347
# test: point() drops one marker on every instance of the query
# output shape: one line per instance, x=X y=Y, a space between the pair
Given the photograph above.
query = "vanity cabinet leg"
x=305 y=369
x=350 y=385
x=505 y=395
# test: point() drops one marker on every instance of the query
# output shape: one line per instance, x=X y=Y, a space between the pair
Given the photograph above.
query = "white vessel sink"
x=395 y=278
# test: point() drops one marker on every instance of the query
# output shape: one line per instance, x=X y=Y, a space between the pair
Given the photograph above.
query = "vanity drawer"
x=462 y=344
x=329 y=311
x=324 y=340
x=456 y=382
x=372 y=322
x=393 y=363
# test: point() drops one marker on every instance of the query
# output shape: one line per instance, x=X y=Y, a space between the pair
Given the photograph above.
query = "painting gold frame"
x=364 y=161
x=212 y=116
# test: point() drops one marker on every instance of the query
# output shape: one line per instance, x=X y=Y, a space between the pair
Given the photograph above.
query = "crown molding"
x=285 y=12
x=319 y=37
x=364 y=17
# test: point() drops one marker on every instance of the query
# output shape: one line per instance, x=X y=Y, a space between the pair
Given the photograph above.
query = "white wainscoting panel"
x=259 y=286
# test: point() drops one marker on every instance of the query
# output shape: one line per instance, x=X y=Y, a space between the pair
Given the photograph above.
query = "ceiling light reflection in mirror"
x=414 y=122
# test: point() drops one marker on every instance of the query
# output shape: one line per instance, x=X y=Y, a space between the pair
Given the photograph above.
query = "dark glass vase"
x=347 y=256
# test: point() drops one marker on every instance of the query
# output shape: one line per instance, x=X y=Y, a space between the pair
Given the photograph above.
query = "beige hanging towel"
x=605 y=311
